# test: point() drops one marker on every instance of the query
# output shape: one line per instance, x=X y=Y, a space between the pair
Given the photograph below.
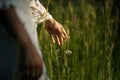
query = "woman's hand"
x=33 y=64
x=56 y=31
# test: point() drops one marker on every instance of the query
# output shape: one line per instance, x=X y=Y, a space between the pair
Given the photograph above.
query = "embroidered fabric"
x=40 y=14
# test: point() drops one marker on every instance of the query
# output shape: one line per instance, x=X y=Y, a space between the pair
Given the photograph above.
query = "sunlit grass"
x=91 y=44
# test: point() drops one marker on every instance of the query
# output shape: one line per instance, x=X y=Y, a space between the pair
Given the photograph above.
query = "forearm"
x=12 y=21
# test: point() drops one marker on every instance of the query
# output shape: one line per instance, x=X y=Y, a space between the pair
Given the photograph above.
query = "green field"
x=93 y=50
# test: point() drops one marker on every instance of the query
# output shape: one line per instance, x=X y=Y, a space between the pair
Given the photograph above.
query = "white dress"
x=24 y=13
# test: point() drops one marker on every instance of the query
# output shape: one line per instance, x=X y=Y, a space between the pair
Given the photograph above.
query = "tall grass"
x=88 y=55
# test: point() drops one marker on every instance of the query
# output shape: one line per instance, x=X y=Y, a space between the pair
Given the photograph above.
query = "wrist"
x=51 y=20
x=48 y=16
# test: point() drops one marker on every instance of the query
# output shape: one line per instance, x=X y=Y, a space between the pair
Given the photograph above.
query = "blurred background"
x=93 y=50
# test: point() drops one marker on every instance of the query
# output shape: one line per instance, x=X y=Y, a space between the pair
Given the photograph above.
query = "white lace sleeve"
x=40 y=14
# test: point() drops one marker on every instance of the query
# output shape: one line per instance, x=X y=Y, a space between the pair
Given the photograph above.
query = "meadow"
x=93 y=50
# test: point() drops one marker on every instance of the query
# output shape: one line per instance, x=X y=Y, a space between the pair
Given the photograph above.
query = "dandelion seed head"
x=68 y=52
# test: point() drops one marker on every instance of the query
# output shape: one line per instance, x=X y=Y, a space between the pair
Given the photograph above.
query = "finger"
x=61 y=39
x=57 y=39
x=65 y=34
x=38 y=72
x=33 y=74
x=52 y=38
x=28 y=71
